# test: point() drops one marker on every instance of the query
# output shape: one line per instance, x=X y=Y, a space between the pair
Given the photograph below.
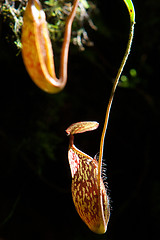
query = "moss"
x=56 y=13
x=12 y=12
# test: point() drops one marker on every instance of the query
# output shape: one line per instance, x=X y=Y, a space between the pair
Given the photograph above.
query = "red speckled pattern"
x=85 y=190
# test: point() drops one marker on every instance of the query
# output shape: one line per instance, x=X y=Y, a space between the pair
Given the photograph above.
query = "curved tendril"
x=37 y=49
x=131 y=10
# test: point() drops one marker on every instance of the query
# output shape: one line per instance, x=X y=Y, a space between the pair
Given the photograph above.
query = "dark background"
x=35 y=179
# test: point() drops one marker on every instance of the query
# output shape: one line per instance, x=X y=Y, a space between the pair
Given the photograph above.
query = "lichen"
x=56 y=14
x=12 y=12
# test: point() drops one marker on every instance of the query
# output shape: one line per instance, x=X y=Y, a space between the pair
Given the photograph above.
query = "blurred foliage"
x=130 y=81
x=34 y=173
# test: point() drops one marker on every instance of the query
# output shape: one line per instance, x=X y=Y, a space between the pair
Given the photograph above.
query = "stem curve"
x=131 y=10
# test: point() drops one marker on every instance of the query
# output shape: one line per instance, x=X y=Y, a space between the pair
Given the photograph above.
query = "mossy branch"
x=57 y=12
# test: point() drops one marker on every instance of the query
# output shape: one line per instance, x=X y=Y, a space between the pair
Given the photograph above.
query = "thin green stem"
x=128 y=48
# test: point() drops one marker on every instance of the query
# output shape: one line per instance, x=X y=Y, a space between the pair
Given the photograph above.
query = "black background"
x=35 y=179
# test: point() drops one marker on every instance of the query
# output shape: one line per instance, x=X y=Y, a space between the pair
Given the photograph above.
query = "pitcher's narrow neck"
x=71 y=140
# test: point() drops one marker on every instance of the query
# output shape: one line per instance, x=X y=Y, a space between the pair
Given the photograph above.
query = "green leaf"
x=131 y=10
